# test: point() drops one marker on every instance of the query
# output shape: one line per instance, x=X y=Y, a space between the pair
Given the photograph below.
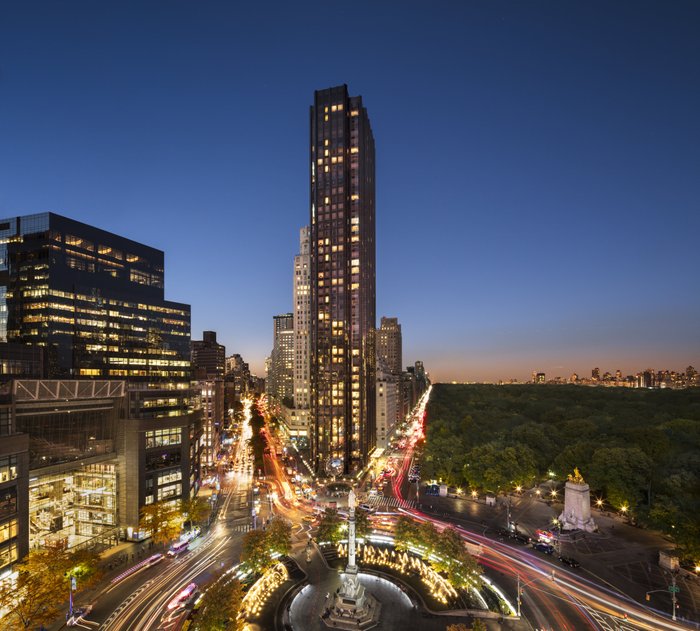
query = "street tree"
x=43 y=585
x=362 y=525
x=329 y=528
x=279 y=535
x=405 y=533
x=193 y=510
x=256 y=553
x=162 y=520
x=454 y=558
x=220 y=605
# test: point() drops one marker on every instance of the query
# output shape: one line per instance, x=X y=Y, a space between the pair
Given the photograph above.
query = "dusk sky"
x=538 y=163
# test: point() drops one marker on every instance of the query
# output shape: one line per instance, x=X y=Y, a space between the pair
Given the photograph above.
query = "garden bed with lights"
x=418 y=579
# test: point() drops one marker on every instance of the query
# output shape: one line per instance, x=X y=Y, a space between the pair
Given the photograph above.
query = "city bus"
x=178 y=548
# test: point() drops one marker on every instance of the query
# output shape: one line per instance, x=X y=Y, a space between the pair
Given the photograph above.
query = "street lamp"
x=474 y=494
x=599 y=503
x=519 y=488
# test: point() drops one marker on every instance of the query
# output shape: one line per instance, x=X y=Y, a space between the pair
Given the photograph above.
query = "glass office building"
x=94 y=302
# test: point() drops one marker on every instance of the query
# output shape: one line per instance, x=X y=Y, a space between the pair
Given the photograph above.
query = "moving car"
x=570 y=561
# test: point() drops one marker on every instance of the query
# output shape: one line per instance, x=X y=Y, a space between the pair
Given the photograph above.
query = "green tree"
x=193 y=510
x=498 y=469
x=453 y=558
x=85 y=566
x=622 y=474
x=362 y=525
x=220 y=605
x=43 y=586
x=279 y=535
x=405 y=533
x=329 y=528
x=162 y=520
x=256 y=553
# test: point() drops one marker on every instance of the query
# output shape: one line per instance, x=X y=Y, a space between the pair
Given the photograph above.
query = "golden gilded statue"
x=576 y=478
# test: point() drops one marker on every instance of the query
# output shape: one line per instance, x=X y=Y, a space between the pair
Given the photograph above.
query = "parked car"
x=520 y=538
x=570 y=561
x=544 y=547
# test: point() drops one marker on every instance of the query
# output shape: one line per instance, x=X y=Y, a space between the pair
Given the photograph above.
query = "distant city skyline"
x=536 y=180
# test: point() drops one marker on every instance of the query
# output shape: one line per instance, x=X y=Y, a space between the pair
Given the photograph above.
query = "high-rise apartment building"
x=94 y=302
x=342 y=240
x=281 y=373
x=389 y=345
x=388 y=409
x=302 y=315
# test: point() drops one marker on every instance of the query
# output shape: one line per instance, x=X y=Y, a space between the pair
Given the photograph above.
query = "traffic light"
x=648 y=596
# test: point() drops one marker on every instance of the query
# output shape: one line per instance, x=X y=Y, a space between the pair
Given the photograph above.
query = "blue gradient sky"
x=538 y=164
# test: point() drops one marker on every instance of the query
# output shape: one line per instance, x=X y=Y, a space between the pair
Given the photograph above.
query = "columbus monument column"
x=353 y=608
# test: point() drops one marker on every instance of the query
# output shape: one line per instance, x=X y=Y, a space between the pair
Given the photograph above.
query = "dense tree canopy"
x=636 y=448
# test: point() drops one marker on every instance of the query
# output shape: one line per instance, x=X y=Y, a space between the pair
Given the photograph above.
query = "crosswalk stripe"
x=391 y=502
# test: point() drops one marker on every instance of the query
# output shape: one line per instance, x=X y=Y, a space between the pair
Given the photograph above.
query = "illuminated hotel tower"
x=342 y=281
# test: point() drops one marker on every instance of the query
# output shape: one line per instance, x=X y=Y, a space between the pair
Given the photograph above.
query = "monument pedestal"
x=577 y=508
x=353 y=607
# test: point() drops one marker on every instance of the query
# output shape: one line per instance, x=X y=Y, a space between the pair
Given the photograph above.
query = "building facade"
x=209 y=367
x=388 y=408
x=281 y=372
x=94 y=302
x=302 y=323
x=14 y=494
x=208 y=357
x=343 y=295
x=390 y=345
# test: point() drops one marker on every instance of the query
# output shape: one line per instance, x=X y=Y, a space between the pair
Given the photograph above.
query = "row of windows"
x=8 y=530
x=105 y=250
x=8 y=554
x=8 y=469
x=163 y=437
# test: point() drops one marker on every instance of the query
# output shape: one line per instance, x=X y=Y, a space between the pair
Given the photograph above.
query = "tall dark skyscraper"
x=343 y=291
